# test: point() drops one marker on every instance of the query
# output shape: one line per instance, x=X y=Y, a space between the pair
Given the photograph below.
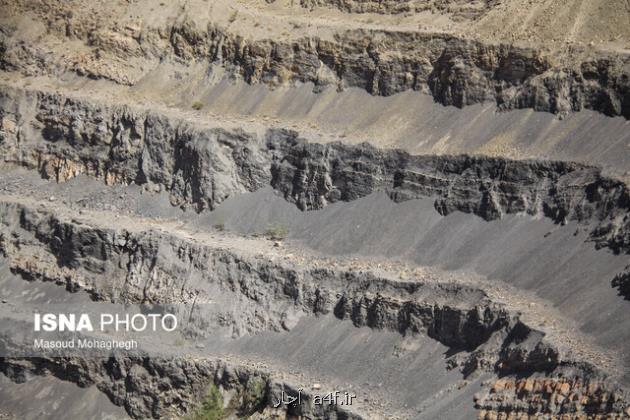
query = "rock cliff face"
x=460 y=8
x=548 y=396
x=622 y=283
x=43 y=247
x=454 y=71
x=65 y=68
x=200 y=166
x=122 y=145
x=128 y=265
x=132 y=382
x=312 y=175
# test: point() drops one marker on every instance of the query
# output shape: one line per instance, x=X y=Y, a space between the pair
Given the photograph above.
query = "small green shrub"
x=276 y=231
x=254 y=395
x=212 y=406
x=197 y=105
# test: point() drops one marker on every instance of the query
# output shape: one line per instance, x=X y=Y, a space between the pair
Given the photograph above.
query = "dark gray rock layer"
x=262 y=294
x=157 y=387
x=454 y=71
x=201 y=166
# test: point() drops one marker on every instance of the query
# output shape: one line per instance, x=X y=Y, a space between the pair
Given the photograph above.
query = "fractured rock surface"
x=166 y=154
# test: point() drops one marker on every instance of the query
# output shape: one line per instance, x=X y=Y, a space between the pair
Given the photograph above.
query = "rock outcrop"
x=201 y=166
x=461 y=9
x=561 y=398
x=312 y=175
x=622 y=283
x=126 y=265
x=64 y=69
x=455 y=71
x=181 y=383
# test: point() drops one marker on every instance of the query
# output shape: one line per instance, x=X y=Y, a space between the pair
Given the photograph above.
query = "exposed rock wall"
x=559 y=398
x=132 y=267
x=312 y=175
x=263 y=294
x=622 y=283
x=120 y=145
x=459 y=8
x=181 y=383
x=200 y=166
x=454 y=71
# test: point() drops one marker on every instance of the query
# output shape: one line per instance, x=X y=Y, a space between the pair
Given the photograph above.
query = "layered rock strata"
x=455 y=71
x=201 y=166
x=128 y=264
